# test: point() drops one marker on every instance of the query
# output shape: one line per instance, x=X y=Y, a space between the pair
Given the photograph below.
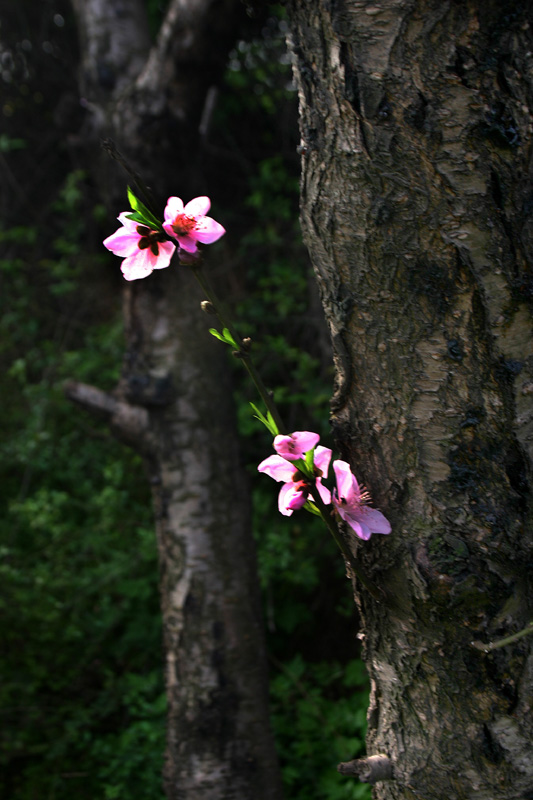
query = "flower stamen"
x=183 y=224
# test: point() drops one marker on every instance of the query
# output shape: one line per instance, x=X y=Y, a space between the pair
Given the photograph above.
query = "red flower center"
x=183 y=225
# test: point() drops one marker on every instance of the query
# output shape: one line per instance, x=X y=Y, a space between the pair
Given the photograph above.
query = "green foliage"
x=7 y=143
x=325 y=725
x=81 y=698
x=80 y=623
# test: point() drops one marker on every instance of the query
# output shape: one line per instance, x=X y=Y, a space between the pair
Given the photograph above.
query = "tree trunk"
x=416 y=122
x=174 y=404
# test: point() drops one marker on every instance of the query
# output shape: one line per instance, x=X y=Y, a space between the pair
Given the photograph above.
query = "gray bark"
x=174 y=404
x=416 y=122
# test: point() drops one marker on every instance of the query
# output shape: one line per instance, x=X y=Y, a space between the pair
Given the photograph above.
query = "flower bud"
x=189 y=259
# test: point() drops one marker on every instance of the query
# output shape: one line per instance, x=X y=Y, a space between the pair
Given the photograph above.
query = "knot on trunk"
x=369 y=770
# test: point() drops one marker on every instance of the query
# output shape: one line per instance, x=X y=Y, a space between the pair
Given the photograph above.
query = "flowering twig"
x=243 y=353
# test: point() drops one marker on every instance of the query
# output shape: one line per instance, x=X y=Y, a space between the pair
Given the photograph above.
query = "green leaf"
x=225 y=337
x=273 y=427
x=133 y=200
x=300 y=465
x=228 y=338
x=142 y=213
x=217 y=334
x=306 y=467
x=267 y=421
x=310 y=460
x=136 y=217
x=311 y=507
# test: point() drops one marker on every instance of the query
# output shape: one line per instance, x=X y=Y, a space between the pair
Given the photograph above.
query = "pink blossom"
x=351 y=503
x=295 y=490
x=189 y=225
x=295 y=445
x=144 y=249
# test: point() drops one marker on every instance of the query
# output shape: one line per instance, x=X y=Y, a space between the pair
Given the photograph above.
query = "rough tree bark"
x=416 y=122
x=174 y=401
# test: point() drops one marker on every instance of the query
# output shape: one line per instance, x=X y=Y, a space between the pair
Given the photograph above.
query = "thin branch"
x=226 y=322
x=128 y=422
x=109 y=146
x=376 y=592
x=514 y=637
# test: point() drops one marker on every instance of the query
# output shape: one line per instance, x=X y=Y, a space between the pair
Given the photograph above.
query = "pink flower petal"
x=122 y=242
x=345 y=480
x=324 y=493
x=187 y=243
x=169 y=230
x=295 y=497
x=296 y=445
x=278 y=468
x=173 y=207
x=166 y=251
x=352 y=507
x=359 y=528
x=207 y=230
x=197 y=207
x=282 y=500
x=376 y=521
x=130 y=224
x=137 y=266
x=322 y=459
x=291 y=498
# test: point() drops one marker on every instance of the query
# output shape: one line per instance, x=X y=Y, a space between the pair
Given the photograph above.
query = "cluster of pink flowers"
x=349 y=501
x=145 y=249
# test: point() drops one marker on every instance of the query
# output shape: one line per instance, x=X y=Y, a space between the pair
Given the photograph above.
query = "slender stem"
x=245 y=357
x=514 y=637
x=376 y=593
x=112 y=150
